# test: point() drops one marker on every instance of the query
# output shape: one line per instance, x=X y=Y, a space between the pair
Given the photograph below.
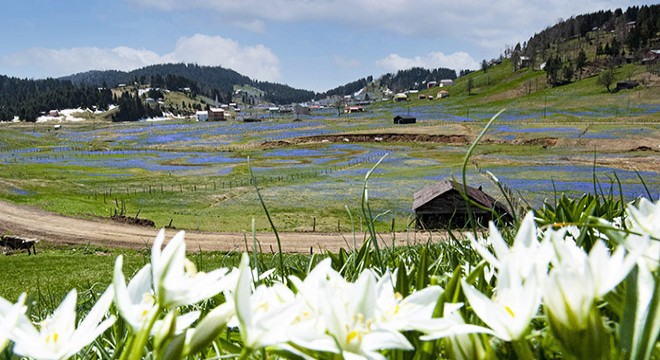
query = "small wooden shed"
x=404 y=119
x=442 y=206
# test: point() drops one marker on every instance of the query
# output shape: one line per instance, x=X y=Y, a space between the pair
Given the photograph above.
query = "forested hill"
x=635 y=32
x=206 y=80
x=28 y=98
x=402 y=80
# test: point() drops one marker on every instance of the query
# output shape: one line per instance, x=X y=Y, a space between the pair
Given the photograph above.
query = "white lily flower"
x=337 y=316
x=9 y=317
x=349 y=314
x=309 y=329
x=57 y=337
x=578 y=279
x=264 y=315
x=645 y=218
x=514 y=305
x=182 y=323
x=136 y=303
x=463 y=343
x=569 y=299
x=451 y=324
x=209 y=327
x=526 y=257
x=402 y=314
x=176 y=281
x=610 y=269
x=645 y=222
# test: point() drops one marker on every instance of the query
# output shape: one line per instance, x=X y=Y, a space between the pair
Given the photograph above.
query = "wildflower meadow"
x=576 y=278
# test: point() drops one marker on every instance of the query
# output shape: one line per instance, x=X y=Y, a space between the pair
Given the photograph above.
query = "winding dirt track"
x=45 y=226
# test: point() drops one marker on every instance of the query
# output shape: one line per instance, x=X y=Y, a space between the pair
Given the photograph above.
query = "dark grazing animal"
x=19 y=243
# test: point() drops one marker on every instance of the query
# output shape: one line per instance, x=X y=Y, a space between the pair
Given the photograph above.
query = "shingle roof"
x=429 y=193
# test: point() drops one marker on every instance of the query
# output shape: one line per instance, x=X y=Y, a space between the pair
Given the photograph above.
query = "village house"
x=524 y=62
x=400 y=97
x=446 y=82
x=442 y=206
x=202 y=115
x=353 y=109
x=216 y=114
x=651 y=57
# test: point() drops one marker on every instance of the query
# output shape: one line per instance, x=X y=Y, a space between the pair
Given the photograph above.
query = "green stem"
x=245 y=353
x=467 y=199
x=128 y=345
x=523 y=349
x=366 y=212
x=140 y=341
x=272 y=225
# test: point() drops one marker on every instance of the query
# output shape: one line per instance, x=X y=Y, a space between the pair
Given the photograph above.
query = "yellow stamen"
x=353 y=335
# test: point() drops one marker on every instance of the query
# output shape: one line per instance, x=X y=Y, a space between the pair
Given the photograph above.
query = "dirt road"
x=50 y=227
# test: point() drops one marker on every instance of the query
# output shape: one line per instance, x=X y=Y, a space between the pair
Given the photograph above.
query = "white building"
x=202 y=115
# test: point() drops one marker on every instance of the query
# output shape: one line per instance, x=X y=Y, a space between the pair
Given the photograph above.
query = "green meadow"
x=572 y=139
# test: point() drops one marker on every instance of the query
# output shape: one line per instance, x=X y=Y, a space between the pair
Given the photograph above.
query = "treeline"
x=174 y=83
x=611 y=38
x=636 y=28
x=132 y=108
x=210 y=81
x=283 y=94
x=28 y=99
x=413 y=78
x=347 y=89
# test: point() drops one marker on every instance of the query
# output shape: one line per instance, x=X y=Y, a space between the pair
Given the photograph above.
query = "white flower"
x=264 y=315
x=348 y=311
x=647 y=247
x=645 y=223
x=9 y=316
x=309 y=329
x=337 y=316
x=451 y=324
x=514 y=305
x=136 y=303
x=208 y=328
x=644 y=219
x=58 y=337
x=176 y=281
x=402 y=314
x=525 y=258
x=462 y=341
x=578 y=279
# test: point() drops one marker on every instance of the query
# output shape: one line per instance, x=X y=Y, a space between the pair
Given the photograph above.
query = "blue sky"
x=310 y=44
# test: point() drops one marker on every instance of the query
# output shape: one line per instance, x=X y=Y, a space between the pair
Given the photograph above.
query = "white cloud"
x=254 y=61
x=59 y=62
x=257 y=61
x=507 y=21
x=457 y=61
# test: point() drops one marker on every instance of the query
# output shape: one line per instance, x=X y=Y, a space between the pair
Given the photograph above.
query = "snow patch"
x=64 y=115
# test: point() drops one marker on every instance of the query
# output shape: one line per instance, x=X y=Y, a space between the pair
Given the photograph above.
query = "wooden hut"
x=442 y=206
x=216 y=114
x=404 y=119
